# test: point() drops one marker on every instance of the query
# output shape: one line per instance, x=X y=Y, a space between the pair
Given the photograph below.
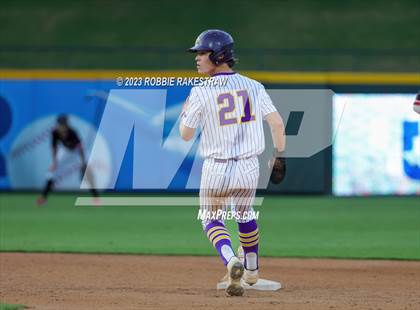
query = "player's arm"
x=54 y=146
x=83 y=167
x=278 y=162
x=274 y=120
x=79 y=146
x=277 y=130
x=81 y=152
x=190 y=117
x=186 y=132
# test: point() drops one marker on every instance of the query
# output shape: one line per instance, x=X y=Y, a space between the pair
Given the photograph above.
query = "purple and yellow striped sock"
x=219 y=236
x=249 y=238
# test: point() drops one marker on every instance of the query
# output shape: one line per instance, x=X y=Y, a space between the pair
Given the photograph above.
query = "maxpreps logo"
x=411 y=149
x=159 y=159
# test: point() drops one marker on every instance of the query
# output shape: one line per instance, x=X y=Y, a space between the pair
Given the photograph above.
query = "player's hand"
x=278 y=164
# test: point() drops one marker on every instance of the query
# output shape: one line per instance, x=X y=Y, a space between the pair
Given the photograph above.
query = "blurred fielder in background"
x=416 y=104
x=231 y=121
x=70 y=156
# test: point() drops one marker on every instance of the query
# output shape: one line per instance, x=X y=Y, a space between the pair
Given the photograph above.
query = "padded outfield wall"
x=30 y=101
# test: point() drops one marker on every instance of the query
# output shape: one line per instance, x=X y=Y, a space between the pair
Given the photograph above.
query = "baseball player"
x=416 y=104
x=73 y=152
x=231 y=121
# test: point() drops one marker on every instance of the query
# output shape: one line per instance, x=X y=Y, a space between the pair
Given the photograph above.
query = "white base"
x=261 y=285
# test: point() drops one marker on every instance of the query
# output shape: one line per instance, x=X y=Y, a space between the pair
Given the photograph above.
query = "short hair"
x=232 y=62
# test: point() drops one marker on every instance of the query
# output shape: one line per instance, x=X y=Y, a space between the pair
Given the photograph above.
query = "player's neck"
x=224 y=68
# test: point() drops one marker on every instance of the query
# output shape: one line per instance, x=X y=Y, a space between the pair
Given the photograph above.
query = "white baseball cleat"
x=250 y=276
x=235 y=272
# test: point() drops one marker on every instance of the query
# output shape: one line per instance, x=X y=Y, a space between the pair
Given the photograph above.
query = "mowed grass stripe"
x=385 y=228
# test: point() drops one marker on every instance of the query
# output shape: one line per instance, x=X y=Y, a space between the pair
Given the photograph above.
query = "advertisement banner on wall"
x=131 y=139
x=376 y=150
x=28 y=114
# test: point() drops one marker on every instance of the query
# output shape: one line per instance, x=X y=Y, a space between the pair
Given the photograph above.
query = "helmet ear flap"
x=217 y=58
x=222 y=56
x=212 y=57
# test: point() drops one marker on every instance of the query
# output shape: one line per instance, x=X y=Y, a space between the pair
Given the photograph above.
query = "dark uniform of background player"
x=416 y=104
x=68 y=138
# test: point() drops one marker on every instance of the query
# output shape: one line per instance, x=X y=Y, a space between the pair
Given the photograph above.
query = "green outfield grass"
x=386 y=228
x=4 y=306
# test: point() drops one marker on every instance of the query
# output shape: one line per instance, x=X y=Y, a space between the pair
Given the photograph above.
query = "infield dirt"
x=74 y=281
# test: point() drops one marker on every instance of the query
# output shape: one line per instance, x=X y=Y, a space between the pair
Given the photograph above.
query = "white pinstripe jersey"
x=230 y=117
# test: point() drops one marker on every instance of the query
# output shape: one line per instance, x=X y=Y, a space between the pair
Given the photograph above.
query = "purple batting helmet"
x=219 y=43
